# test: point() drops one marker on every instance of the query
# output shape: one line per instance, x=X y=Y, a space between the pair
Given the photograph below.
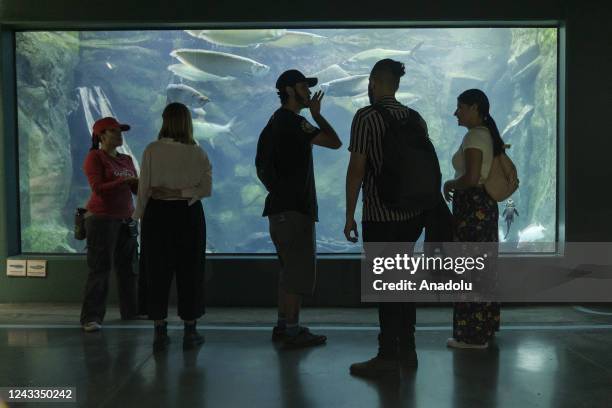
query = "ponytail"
x=498 y=143
x=478 y=98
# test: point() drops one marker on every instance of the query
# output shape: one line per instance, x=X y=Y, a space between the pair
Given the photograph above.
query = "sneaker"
x=91 y=327
x=375 y=367
x=304 y=338
x=278 y=334
x=191 y=337
x=161 y=339
x=454 y=343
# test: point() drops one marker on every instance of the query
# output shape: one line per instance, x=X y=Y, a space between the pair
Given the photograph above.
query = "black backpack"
x=410 y=177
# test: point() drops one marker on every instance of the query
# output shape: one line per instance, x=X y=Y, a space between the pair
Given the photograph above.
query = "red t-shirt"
x=110 y=195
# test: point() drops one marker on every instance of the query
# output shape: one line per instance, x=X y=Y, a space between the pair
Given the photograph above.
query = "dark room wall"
x=585 y=210
x=189 y=12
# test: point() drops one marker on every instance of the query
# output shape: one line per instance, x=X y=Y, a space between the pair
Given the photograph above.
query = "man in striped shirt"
x=380 y=223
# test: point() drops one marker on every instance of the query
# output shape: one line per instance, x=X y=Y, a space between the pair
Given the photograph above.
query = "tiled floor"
x=552 y=356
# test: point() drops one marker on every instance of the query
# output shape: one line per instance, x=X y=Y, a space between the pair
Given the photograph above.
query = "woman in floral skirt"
x=475 y=212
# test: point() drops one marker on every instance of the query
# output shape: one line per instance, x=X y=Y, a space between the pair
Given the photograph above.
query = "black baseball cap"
x=292 y=77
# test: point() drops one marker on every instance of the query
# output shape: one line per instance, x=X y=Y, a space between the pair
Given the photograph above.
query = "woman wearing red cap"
x=111 y=232
x=176 y=175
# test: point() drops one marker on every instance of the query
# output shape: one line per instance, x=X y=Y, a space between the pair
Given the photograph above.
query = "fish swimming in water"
x=194 y=33
x=330 y=73
x=193 y=74
x=185 y=95
x=238 y=38
x=349 y=86
x=358 y=40
x=370 y=57
x=220 y=137
x=220 y=63
x=403 y=97
x=360 y=101
x=210 y=132
x=407 y=98
x=293 y=39
x=199 y=112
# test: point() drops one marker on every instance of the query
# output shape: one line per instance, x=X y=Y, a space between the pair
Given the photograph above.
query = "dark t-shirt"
x=284 y=164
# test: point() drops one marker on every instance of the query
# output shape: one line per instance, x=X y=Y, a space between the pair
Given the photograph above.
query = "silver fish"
x=330 y=73
x=193 y=74
x=403 y=97
x=220 y=137
x=199 y=112
x=359 y=101
x=407 y=98
x=210 y=132
x=220 y=63
x=349 y=86
x=194 y=33
x=293 y=39
x=371 y=56
x=358 y=40
x=238 y=38
x=186 y=95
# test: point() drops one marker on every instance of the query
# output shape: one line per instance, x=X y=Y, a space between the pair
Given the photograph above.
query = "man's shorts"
x=293 y=235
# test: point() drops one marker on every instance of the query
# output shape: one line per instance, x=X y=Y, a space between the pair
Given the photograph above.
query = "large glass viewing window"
x=66 y=80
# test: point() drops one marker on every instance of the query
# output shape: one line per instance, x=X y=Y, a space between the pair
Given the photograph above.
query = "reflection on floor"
x=543 y=357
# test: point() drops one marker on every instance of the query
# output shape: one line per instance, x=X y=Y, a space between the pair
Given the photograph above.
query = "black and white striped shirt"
x=367 y=131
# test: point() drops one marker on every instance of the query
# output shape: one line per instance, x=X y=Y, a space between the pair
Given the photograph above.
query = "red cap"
x=107 y=123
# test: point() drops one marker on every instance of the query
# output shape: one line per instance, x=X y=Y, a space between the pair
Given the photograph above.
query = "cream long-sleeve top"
x=171 y=164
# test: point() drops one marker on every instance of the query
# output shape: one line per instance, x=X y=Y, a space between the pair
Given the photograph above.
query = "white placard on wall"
x=15 y=267
x=37 y=268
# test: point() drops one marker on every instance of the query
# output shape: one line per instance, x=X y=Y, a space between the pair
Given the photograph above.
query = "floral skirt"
x=475 y=220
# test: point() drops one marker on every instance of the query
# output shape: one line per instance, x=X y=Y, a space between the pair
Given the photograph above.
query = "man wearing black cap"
x=284 y=166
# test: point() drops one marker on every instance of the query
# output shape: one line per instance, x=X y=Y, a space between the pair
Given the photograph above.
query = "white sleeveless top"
x=479 y=138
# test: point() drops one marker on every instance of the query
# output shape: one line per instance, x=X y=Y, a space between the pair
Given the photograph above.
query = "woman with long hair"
x=176 y=174
x=475 y=212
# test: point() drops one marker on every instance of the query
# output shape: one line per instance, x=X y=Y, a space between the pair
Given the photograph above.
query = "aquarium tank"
x=68 y=79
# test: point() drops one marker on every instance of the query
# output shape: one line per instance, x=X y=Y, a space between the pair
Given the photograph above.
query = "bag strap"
x=508 y=168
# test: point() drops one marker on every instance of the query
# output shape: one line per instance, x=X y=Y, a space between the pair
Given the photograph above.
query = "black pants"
x=110 y=245
x=174 y=241
x=396 y=319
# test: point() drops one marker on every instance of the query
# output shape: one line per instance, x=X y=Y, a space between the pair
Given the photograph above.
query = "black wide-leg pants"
x=173 y=241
